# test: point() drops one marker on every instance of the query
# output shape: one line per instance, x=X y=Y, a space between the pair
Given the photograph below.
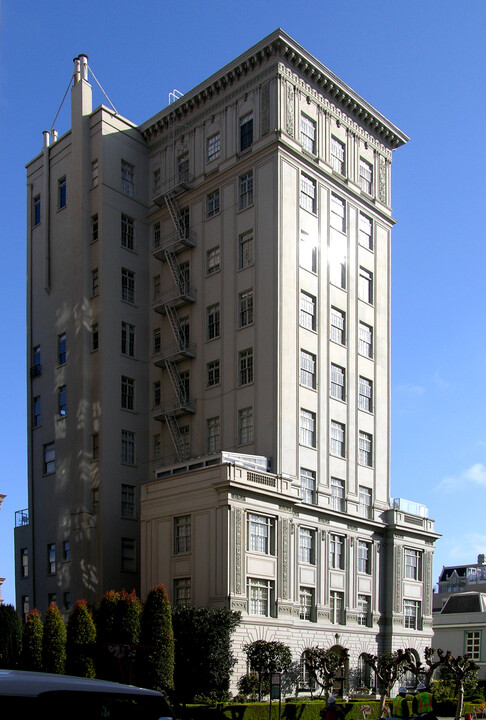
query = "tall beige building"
x=209 y=324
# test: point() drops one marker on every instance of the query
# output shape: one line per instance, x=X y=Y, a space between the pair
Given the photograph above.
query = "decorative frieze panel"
x=289 y=109
x=285 y=525
x=239 y=549
x=397 y=564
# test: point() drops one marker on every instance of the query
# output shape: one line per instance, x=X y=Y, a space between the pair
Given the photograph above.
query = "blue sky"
x=421 y=63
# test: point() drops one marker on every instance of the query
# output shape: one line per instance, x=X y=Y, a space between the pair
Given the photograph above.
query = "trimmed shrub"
x=10 y=637
x=54 y=641
x=80 y=644
x=155 y=658
x=32 y=642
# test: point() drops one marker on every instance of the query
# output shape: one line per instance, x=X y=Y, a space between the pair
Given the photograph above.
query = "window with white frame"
x=338 y=439
x=307 y=310
x=364 y=557
x=245 y=190
x=95 y=282
x=182 y=592
x=413 y=570
x=212 y=373
x=156 y=341
x=338 y=213
x=212 y=321
x=213 y=260
x=49 y=464
x=364 y=502
x=214 y=147
x=36 y=411
x=363 y=609
x=365 y=397
x=24 y=562
x=128 y=555
x=472 y=642
x=245 y=249
x=128 y=285
x=365 y=231
x=245 y=366
x=338 y=261
x=127 y=232
x=338 y=387
x=213 y=435
x=246 y=131
x=338 y=326
x=261 y=534
x=61 y=193
x=365 y=449
x=36 y=368
x=307 y=550
x=365 y=342
x=157 y=393
x=127 y=178
x=308 y=251
x=260 y=596
x=366 y=176
x=36 y=210
x=307 y=486
x=336 y=551
x=338 y=156
x=246 y=308
x=337 y=608
x=182 y=534
x=306 y=603
x=365 y=285
x=411 y=614
x=185 y=440
x=127 y=339
x=51 y=558
x=308 y=133
x=128 y=501
x=212 y=203
x=61 y=401
x=307 y=369
x=61 y=349
x=307 y=428
x=245 y=426
x=128 y=447
x=127 y=393
x=337 y=495
x=183 y=167
x=308 y=193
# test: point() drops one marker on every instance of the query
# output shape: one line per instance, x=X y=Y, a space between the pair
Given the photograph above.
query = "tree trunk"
x=460 y=702
x=382 y=704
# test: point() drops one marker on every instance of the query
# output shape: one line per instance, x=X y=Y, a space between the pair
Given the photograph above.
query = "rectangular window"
x=308 y=134
x=365 y=340
x=338 y=156
x=245 y=249
x=365 y=231
x=337 y=262
x=260 y=596
x=51 y=558
x=95 y=284
x=307 y=310
x=66 y=550
x=366 y=176
x=156 y=446
x=338 y=326
x=307 y=369
x=473 y=645
x=308 y=193
x=365 y=285
x=245 y=426
x=94 y=173
x=336 y=551
x=127 y=339
x=95 y=337
x=306 y=603
x=413 y=570
x=245 y=366
x=61 y=349
x=128 y=285
x=337 y=495
x=246 y=131
x=128 y=555
x=246 y=308
x=127 y=232
x=156 y=341
x=213 y=435
x=307 y=433
x=49 y=465
x=214 y=147
x=36 y=412
x=338 y=213
x=338 y=388
x=246 y=190
x=127 y=393
x=36 y=210
x=365 y=449
x=61 y=193
x=363 y=610
x=155 y=288
x=182 y=592
x=364 y=557
x=213 y=260
x=24 y=562
x=212 y=203
x=337 y=608
x=307 y=486
x=338 y=439
x=307 y=252
x=261 y=534
x=61 y=400
x=182 y=534
x=411 y=612
x=128 y=447
x=157 y=236
x=212 y=373
x=66 y=600
x=365 y=400
x=36 y=361
x=307 y=546
x=95 y=446
x=127 y=178
x=364 y=502
x=212 y=321
x=128 y=501
x=157 y=393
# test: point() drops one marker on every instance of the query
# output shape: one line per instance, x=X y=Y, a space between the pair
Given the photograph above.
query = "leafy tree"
x=54 y=641
x=266 y=657
x=433 y=660
x=463 y=671
x=388 y=667
x=203 y=657
x=249 y=684
x=32 y=642
x=155 y=662
x=10 y=637
x=323 y=666
x=80 y=642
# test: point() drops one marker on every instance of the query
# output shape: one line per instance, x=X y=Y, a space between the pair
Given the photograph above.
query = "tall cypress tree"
x=81 y=638
x=54 y=641
x=155 y=664
x=32 y=642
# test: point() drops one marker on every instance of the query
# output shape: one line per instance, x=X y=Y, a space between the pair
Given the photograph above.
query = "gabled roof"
x=469 y=602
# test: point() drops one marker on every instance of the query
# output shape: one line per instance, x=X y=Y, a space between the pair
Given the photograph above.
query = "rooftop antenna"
x=174 y=95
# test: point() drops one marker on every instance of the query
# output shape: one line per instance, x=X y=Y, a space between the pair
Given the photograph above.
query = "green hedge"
x=289 y=711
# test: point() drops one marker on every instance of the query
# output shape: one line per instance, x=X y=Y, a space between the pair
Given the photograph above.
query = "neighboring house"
x=460 y=578
x=460 y=626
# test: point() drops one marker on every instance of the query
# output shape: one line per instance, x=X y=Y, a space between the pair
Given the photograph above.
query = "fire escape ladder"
x=177 y=383
x=176 y=216
x=175 y=435
x=175 y=324
x=177 y=274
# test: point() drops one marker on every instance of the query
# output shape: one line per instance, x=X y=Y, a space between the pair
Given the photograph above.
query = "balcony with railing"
x=173 y=243
x=21 y=518
x=182 y=181
x=178 y=406
x=175 y=352
x=176 y=296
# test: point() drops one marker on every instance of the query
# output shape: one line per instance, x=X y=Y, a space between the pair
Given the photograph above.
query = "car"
x=24 y=693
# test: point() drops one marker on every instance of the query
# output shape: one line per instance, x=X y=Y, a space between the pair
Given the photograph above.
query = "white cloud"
x=475 y=475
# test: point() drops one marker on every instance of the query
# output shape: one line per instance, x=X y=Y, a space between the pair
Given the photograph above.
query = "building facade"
x=460 y=579
x=460 y=626
x=209 y=326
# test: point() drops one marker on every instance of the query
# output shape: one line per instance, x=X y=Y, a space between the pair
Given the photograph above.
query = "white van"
x=31 y=694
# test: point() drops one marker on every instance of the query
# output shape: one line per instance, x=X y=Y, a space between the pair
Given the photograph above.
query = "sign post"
x=275 y=692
